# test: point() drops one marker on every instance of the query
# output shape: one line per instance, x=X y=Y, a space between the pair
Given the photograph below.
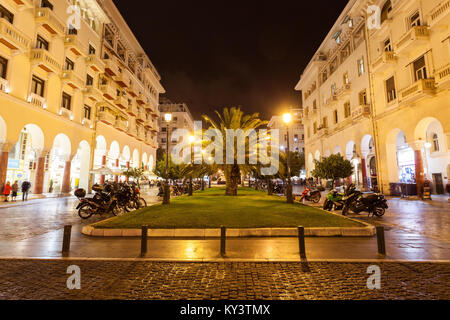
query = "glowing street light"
x=287 y=118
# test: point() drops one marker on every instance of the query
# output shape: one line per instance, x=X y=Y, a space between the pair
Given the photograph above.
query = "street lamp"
x=191 y=142
x=166 y=199
x=287 y=118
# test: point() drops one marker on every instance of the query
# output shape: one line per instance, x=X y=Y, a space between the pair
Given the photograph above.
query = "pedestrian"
x=26 y=186
x=7 y=191
x=15 y=189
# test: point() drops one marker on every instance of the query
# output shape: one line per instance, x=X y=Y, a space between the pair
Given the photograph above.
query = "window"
x=414 y=20
x=164 y=129
x=346 y=78
x=390 y=89
x=87 y=112
x=46 y=4
x=37 y=86
x=363 y=98
x=66 y=101
x=361 y=67
x=41 y=43
x=347 y=110
x=89 y=80
x=325 y=122
x=6 y=14
x=295 y=137
x=333 y=89
x=435 y=143
x=388 y=45
x=335 y=117
x=387 y=8
x=420 y=69
x=91 y=49
x=3 y=67
x=72 y=30
x=315 y=127
x=68 y=64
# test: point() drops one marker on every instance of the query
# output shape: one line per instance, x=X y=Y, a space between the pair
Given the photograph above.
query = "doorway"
x=438 y=183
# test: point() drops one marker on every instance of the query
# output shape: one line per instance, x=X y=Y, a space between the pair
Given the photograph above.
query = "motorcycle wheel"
x=129 y=206
x=316 y=199
x=328 y=205
x=117 y=210
x=379 y=212
x=85 y=211
x=140 y=203
x=345 y=210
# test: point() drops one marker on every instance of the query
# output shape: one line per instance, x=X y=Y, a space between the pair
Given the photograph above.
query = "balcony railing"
x=141 y=99
x=121 y=102
x=131 y=131
x=45 y=60
x=109 y=91
x=384 y=62
x=92 y=93
x=341 y=125
x=37 y=100
x=95 y=63
x=417 y=90
x=415 y=37
x=331 y=101
x=107 y=117
x=439 y=13
x=72 y=43
x=123 y=79
x=344 y=91
x=361 y=111
x=121 y=125
x=133 y=110
x=111 y=67
x=11 y=37
x=50 y=22
x=140 y=117
x=443 y=76
x=132 y=90
x=140 y=134
x=70 y=78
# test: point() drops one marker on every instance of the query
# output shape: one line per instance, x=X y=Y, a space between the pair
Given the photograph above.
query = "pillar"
x=128 y=167
x=66 y=188
x=4 y=153
x=102 y=177
x=116 y=178
x=364 y=173
x=418 y=159
x=40 y=172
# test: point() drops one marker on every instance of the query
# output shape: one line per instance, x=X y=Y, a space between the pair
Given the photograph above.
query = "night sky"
x=214 y=54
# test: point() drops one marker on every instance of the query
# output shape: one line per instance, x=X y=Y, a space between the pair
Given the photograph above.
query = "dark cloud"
x=213 y=54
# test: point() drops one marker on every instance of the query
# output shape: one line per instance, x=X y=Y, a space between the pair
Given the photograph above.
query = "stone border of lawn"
x=367 y=231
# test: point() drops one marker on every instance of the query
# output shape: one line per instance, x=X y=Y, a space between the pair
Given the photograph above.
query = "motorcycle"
x=309 y=195
x=136 y=199
x=334 y=200
x=356 y=201
x=104 y=201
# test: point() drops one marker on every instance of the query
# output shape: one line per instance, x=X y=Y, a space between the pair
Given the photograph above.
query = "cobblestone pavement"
x=40 y=279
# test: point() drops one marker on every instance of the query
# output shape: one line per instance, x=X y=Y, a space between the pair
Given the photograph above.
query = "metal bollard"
x=66 y=239
x=381 y=241
x=223 y=237
x=301 y=242
x=144 y=239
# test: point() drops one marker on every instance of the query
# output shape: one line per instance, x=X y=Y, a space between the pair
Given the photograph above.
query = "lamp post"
x=287 y=118
x=166 y=199
x=191 y=142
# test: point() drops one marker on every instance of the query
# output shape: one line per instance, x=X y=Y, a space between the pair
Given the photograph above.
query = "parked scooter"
x=334 y=201
x=104 y=201
x=356 y=201
x=310 y=195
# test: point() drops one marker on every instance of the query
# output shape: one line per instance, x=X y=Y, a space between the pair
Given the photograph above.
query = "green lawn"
x=211 y=209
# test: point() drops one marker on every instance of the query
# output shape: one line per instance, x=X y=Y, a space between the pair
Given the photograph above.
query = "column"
x=420 y=176
x=128 y=167
x=116 y=178
x=40 y=172
x=66 y=188
x=4 y=153
x=364 y=172
x=102 y=177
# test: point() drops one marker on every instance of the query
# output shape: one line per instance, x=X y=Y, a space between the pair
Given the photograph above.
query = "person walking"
x=15 y=189
x=26 y=186
x=7 y=191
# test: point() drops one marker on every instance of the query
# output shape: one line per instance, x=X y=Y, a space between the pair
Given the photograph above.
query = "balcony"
x=385 y=62
x=360 y=112
x=132 y=90
x=45 y=60
x=123 y=79
x=14 y=39
x=413 y=40
x=70 y=78
x=148 y=124
x=133 y=110
x=141 y=99
x=121 y=125
x=87 y=123
x=331 y=101
x=417 y=90
x=149 y=140
x=438 y=15
x=443 y=76
x=37 y=101
x=93 y=93
x=107 y=117
x=72 y=43
x=322 y=133
x=47 y=18
x=111 y=67
x=22 y=4
x=121 y=102
x=66 y=113
x=109 y=90
x=140 y=134
x=344 y=91
x=131 y=131
x=95 y=63
x=140 y=116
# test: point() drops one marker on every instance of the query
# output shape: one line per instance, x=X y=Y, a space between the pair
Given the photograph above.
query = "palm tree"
x=234 y=118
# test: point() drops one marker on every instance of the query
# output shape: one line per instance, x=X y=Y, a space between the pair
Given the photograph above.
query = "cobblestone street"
x=40 y=279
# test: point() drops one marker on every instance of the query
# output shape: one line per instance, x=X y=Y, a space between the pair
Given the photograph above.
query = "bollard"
x=66 y=239
x=381 y=241
x=223 y=237
x=144 y=239
x=301 y=242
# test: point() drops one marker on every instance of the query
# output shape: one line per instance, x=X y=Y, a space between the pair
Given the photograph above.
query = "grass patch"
x=211 y=209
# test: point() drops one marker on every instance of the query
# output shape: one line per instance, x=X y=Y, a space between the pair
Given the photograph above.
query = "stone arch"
x=80 y=166
x=126 y=154
x=135 y=159
x=144 y=159
x=151 y=164
x=366 y=145
x=427 y=128
x=2 y=130
x=114 y=150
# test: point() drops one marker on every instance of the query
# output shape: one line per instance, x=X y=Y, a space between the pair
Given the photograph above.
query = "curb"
x=367 y=231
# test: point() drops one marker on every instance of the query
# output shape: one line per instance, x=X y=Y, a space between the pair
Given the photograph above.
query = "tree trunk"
x=269 y=187
x=232 y=174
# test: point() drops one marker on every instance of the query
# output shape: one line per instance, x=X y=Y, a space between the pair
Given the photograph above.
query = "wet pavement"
x=38 y=279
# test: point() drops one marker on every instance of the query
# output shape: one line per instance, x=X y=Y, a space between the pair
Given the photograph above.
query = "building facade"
x=377 y=92
x=181 y=119
x=296 y=131
x=73 y=98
